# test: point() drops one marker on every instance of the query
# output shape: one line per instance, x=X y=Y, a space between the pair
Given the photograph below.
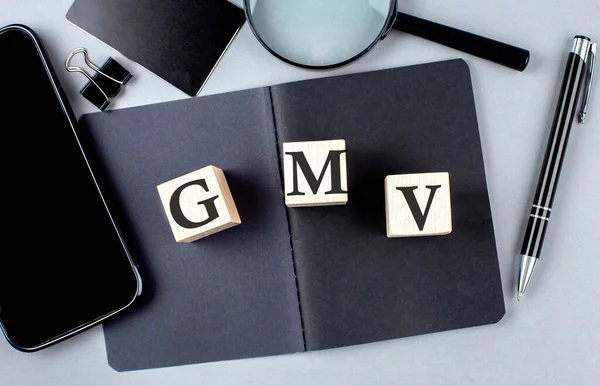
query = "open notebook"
x=294 y=279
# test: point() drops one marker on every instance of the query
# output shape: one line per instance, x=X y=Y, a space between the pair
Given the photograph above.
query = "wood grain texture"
x=205 y=204
x=429 y=195
x=322 y=180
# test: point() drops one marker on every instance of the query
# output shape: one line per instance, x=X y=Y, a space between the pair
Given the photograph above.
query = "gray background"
x=551 y=338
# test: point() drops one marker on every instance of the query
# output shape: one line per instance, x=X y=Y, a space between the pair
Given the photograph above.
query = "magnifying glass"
x=330 y=33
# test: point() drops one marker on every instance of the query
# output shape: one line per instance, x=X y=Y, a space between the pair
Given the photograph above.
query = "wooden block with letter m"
x=198 y=204
x=418 y=205
x=315 y=173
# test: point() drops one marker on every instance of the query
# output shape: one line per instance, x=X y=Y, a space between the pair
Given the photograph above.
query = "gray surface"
x=232 y=295
x=549 y=338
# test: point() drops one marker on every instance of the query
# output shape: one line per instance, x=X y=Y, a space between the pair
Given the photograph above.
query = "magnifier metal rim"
x=386 y=28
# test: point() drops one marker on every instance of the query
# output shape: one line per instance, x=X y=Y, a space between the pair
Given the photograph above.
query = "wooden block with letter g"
x=198 y=204
x=418 y=205
x=315 y=173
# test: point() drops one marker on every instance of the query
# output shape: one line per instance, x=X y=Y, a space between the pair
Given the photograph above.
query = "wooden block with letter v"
x=418 y=205
x=315 y=173
x=198 y=204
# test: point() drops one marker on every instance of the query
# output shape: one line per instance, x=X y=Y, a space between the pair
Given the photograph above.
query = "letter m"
x=300 y=164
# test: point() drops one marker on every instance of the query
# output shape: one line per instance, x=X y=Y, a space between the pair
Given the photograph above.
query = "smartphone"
x=63 y=266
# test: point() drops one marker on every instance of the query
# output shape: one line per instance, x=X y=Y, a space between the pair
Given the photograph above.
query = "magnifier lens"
x=318 y=33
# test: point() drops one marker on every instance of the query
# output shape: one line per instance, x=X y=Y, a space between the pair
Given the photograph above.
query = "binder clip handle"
x=105 y=84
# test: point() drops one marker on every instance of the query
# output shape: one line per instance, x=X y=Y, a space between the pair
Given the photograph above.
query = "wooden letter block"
x=315 y=173
x=198 y=204
x=418 y=205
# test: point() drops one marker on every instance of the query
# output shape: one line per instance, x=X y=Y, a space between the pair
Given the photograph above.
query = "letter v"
x=413 y=205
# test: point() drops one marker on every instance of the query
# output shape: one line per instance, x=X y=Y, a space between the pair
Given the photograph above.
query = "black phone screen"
x=63 y=266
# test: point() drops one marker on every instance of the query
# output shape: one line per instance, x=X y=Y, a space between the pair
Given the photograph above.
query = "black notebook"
x=180 y=41
x=294 y=279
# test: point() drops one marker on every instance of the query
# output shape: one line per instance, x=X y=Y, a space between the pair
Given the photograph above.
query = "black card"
x=180 y=41
x=331 y=278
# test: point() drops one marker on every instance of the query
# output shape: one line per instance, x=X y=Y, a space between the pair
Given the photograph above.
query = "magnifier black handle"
x=501 y=53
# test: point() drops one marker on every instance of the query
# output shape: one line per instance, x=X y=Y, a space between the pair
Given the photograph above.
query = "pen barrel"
x=566 y=111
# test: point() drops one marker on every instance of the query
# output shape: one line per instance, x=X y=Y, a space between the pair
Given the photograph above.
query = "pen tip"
x=582 y=117
x=519 y=294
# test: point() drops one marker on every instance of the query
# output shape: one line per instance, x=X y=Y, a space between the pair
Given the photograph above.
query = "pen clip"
x=592 y=69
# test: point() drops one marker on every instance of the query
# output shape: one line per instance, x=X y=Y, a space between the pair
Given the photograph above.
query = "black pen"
x=580 y=66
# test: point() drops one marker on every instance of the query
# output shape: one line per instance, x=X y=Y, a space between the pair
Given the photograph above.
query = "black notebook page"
x=355 y=284
x=228 y=296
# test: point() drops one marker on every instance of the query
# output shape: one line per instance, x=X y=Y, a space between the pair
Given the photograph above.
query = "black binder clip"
x=105 y=84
